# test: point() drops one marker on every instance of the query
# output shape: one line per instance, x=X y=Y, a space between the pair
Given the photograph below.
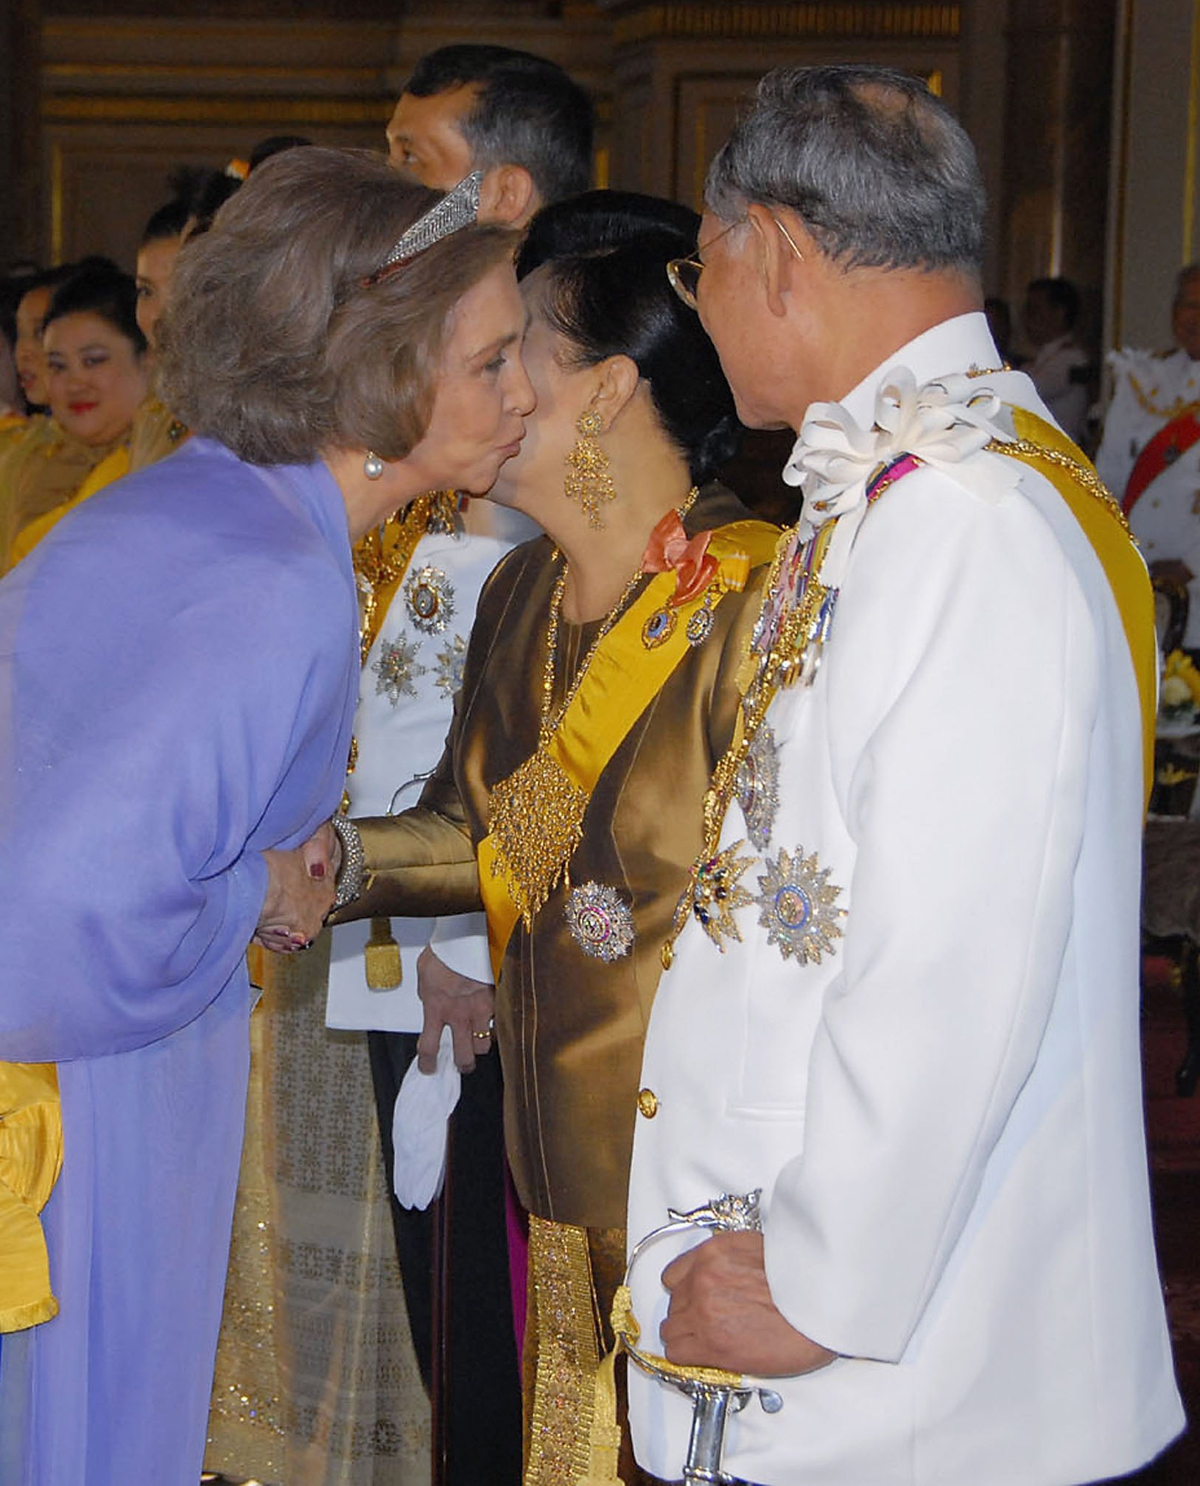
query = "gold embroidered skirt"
x=573 y=1276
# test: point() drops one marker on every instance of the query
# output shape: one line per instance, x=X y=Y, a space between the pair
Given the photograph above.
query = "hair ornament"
x=458 y=208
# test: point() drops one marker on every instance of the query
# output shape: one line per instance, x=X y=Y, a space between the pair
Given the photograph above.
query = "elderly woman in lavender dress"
x=178 y=673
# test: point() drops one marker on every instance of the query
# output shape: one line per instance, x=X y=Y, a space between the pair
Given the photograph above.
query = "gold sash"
x=624 y=677
x=1050 y=452
x=114 y=466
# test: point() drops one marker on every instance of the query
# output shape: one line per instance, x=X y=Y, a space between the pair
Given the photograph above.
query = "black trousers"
x=475 y=1379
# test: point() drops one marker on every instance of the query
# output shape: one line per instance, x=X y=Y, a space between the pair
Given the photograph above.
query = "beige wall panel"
x=104 y=178
x=712 y=85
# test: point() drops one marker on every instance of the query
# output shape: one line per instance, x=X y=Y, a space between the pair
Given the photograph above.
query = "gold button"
x=648 y=1103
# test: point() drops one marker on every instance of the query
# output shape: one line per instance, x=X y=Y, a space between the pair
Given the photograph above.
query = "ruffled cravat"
x=942 y=424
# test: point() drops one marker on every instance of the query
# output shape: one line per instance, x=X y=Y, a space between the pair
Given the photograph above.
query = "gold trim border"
x=200 y=110
x=870 y=21
x=69 y=74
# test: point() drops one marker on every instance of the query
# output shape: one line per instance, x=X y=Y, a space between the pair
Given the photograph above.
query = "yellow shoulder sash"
x=1049 y=451
x=114 y=466
x=536 y=814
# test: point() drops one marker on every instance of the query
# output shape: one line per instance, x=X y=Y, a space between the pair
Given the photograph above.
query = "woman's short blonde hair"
x=273 y=339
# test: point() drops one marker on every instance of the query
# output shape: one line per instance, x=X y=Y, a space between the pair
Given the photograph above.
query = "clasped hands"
x=301 y=888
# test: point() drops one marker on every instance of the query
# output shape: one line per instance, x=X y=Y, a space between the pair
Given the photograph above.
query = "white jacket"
x=944 y=1114
x=403 y=716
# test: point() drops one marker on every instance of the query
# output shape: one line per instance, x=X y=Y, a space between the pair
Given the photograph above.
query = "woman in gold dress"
x=600 y=690
x=95 y=381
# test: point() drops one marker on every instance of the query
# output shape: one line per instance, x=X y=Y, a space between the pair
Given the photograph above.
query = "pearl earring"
x=372 y=466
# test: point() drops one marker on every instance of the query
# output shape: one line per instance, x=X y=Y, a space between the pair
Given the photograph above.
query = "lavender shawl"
x=177 y=682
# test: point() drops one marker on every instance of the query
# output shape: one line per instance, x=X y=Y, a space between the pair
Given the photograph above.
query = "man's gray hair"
x=879 y=171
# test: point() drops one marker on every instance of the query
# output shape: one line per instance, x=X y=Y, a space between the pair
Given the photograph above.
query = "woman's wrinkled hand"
x=301 y=888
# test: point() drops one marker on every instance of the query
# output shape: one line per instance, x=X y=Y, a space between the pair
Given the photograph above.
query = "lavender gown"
x=177 y=681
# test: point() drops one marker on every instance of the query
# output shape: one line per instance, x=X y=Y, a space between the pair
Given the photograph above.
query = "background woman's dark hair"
x=608 y=295
x=99 y=287
x=191 y=187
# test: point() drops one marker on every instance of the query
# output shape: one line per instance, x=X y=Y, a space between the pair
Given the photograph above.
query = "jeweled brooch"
x=397 y=668
x=600 y=921
x=430 y=600
x=451 y=659
x=757 y=785
x=659 y=628
x=797 y=906
x=699 y=626
x=717 y=891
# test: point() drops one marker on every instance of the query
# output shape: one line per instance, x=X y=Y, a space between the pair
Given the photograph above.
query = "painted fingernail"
x=317 y=869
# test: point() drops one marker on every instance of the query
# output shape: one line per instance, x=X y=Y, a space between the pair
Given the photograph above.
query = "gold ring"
x=483 y=1036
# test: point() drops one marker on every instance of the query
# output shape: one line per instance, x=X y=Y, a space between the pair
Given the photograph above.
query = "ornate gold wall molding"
x=118 y=108
x=864 y=21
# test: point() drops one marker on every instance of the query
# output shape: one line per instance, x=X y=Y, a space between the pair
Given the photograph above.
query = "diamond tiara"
x=458 y=208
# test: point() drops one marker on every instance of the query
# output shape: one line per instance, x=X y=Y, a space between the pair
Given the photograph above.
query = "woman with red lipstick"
x=94 y=381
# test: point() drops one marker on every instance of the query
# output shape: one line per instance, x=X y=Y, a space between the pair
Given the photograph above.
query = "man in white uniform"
x=1059 y=368
x=528 y=127
x=903 y=998
x=1150 y=454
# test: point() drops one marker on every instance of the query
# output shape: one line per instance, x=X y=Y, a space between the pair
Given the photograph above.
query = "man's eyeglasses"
x=683 y=274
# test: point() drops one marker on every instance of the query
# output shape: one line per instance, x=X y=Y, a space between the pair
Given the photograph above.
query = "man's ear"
x=776 y=260
x=508 y=196
x=617 y=381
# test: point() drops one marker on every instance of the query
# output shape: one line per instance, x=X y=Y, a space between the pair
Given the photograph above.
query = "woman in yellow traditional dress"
x=599 y=692
x=95 y=379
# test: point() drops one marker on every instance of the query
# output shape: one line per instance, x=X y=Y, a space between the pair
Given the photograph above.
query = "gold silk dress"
x=570 y=1025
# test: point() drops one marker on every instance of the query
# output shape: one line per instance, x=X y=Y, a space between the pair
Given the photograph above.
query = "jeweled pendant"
x=757 y=786
x=659 y=628
x=396 y=669
x=699 y=626
x=717 y=891
x=451 y=659
x=430 y=599
x=600 y=921
x=797 y=906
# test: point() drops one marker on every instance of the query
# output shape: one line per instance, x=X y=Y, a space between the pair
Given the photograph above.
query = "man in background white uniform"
x=1149 y=456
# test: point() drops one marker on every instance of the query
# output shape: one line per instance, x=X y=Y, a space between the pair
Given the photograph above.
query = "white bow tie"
x=943 y=424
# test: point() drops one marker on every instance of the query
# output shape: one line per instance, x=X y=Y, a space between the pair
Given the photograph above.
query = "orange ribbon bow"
x=670 y=547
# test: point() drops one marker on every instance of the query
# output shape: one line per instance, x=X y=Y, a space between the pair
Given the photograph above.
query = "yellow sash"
x=113 y=467
x=624 y=677
x=1105 y=529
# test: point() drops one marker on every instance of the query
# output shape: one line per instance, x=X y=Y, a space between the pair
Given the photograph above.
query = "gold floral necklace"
x=536 y=813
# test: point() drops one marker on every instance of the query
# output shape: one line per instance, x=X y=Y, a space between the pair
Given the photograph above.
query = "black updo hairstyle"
x=608 y=296
x=99 y=287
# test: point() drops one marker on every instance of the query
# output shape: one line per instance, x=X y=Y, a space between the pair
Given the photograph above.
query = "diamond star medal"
x=600 y=921
x=396 y=669
x=430 y=600
x=757 y=785
x=797 y=906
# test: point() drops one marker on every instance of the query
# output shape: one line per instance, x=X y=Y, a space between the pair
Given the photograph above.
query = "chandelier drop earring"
x=588 y=480
x=372 y=466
